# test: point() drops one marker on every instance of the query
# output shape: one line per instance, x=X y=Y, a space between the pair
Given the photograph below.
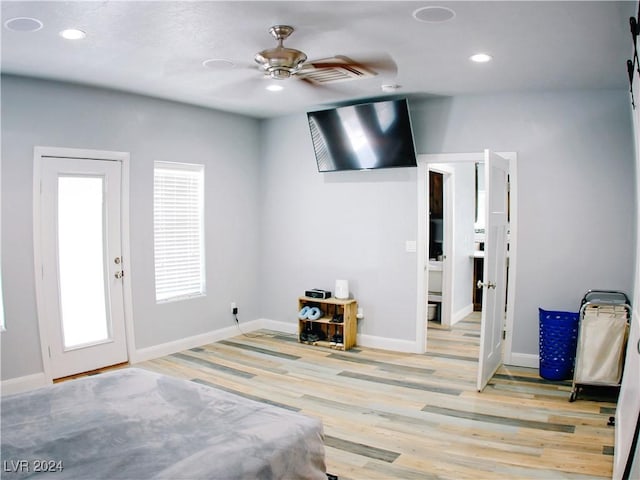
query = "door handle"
x=119 y=274
x=480 y=284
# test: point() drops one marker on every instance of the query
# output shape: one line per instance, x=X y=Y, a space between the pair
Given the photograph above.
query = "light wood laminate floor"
x=403 y=416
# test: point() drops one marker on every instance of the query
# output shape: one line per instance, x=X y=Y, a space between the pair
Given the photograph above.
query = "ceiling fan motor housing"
x=280 y=62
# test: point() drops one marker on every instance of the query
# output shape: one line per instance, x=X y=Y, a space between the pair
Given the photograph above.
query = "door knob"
x=117 y=260
x=480 y=284
x=119 y=274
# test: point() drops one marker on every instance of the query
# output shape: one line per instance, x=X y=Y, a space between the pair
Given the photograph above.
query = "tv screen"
x=364 y=136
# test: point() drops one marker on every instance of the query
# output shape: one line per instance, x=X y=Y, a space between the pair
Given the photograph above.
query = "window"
x=2 y=324
x=178 y=227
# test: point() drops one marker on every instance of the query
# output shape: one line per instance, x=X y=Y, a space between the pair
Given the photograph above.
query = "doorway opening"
x=441 y=269
x=436 y=247
x=465 y=246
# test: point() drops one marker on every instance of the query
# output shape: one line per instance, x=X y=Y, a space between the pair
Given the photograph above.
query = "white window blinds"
x=178 y=226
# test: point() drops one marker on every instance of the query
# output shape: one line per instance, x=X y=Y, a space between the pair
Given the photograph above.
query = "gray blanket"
x=134 y=424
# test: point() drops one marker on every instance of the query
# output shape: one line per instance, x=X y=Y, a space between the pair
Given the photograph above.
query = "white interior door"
x=81 y=289
x=495 y=267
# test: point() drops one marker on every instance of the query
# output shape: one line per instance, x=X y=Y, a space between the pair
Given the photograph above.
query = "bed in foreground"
x=135 y=424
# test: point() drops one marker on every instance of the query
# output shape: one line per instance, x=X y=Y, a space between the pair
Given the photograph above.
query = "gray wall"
x=575 y=207
x=340 y=225
x=275 y=226
x=576 y=191
x=52 y=114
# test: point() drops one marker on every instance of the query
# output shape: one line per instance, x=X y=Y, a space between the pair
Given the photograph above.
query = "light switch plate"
x=410 y=246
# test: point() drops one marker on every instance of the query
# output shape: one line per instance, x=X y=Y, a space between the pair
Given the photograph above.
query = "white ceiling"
x=157 y=47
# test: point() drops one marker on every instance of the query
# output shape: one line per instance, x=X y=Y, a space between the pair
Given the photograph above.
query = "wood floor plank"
x=392 y=415
x=515 y=422
x=539 y=440
x=401 y=383
x=361 y=449
x=246 y=395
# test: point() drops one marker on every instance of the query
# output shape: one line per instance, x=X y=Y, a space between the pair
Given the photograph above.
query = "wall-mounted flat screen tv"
x=363 y=136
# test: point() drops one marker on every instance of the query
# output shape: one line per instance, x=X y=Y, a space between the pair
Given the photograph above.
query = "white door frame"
x=424 y=160
x=39 y=155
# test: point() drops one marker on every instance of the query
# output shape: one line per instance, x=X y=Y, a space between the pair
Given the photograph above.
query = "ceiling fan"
x=281 y=63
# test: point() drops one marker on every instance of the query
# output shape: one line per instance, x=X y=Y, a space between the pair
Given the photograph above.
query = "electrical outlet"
x=234 y=308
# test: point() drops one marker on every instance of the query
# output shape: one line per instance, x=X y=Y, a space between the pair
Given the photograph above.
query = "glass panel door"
x=80 y=277
x=81 y=262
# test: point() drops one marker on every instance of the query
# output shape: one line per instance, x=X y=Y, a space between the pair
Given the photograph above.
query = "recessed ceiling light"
x=275 y=87
x=481 y=58
x=390 y=87
x=433 y=14
x=23 y=24
x=218 y=64
x=73 y=34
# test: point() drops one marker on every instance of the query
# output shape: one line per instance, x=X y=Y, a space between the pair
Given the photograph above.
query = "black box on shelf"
x=317 y=293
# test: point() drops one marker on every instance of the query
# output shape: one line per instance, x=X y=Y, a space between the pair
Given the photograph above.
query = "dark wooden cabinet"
x=478 y=266
x=436 y=198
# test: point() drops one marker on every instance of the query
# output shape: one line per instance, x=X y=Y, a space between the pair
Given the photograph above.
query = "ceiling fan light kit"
x=280 y=62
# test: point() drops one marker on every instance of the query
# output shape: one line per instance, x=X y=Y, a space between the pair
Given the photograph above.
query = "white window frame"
x=2 y=317
x=2 y=324
x=190 y=281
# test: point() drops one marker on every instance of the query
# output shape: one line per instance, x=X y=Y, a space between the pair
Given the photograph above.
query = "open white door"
x=494 y=297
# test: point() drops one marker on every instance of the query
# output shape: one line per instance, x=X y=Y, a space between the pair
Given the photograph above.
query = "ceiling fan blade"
x=318 y=86
x=378 y=63
x=341 y=69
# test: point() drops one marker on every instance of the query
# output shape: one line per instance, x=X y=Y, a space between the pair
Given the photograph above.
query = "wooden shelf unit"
x=325 y=327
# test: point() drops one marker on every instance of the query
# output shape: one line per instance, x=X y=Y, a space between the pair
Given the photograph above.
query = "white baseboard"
x=30 y=382
x=284 y=327
x=157 y=351
x=363 y=340
x=370 y=341
x=23 y=384
x=394 y=344
x=462 y=313
x=524 y=360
